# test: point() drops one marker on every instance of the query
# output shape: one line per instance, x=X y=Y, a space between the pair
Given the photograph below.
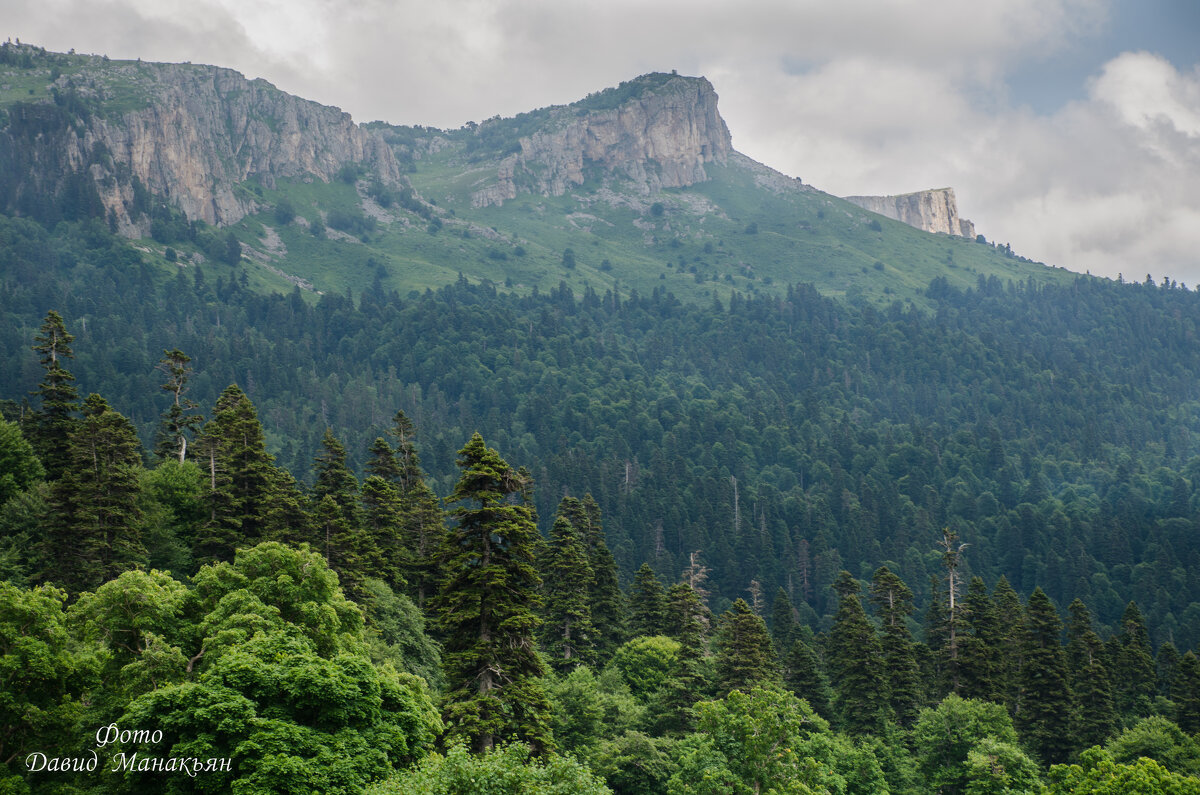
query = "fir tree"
x=241 y=478
x=1044 y=719
x=52 y=425
x=783 y=621
x=745 y=658
x=647 y=604
x=383 y=515
x=94 y=529
x=178 y=423
x=804 y=676
x=893 y=606
x=567 y=583
x=978 y=663
x=1009 y=643
x=856 y=663
x=343 y=544
x=1091 y=686
x=1187 y=694
x=486 y=607
x=687 y=620
x=1133 y=666
x=608 y=605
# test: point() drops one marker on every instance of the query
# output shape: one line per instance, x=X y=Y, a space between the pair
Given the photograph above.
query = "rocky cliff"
x=657 y=131
x=929 y=210
x=193 y=134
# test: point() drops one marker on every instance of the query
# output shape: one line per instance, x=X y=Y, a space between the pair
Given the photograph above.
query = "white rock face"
x=659 y=139
x=205 y=129
x=929 y=210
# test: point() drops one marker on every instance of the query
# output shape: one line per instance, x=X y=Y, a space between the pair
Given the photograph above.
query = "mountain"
x=633 y=187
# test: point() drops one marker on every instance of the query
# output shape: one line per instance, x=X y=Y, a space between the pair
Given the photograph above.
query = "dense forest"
x=262 y=543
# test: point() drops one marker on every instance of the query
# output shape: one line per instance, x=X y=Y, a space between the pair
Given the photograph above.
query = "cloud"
x=861 y=96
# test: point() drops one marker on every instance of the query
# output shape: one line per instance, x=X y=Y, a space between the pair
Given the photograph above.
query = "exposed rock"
x=193 y=133
x=659 y=137
x=929 y=210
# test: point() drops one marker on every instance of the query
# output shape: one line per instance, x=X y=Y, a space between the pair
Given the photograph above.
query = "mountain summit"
x=658 y=130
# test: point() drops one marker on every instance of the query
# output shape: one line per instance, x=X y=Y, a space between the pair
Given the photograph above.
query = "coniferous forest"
x=474 y=541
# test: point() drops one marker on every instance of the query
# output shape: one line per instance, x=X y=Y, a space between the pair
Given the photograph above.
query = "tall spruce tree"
x=977 y=653
x=804 y=675
x=383 y=516
x=347 y=547
x=1187 y=693
x=856 y=664
x=687 y=621
x=745 y=658
x=1045 y=715
x=1091 y=685
x=608 y=604
x=93 y=531
x=421 y=511
x=647 y=604
x=241 y=478
x=486 y=605
x=1133 y=666
x=893 y=605
x=1010 y=633
x=783 y=621
x=51 y=426
x=567 y=581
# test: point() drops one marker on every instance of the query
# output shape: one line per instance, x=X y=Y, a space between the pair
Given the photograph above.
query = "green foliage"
x=396 y=632
x=944 y=737
x=507 y=770
x=1161 y=740
x=486 y=602
x=769 y=740
x=568 y=580
x=1045 y=717
x=19 y=466
x=586 y=709
x=42 y=677
x=856 y=664
x=1098 y=774
x=646 y=663
x=745 y=657
x=647 y=604
x=999 y=768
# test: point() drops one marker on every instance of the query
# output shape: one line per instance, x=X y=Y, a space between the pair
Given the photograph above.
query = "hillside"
x=633 y=187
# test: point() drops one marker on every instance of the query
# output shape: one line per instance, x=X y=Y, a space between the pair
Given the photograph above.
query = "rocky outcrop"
x=929 y=210
x=659 y=132
x=195 y=134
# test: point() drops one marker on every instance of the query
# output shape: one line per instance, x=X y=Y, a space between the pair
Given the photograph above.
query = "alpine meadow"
x=570 y=452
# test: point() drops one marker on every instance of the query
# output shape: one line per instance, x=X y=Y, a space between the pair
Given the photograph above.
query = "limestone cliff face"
x=659 y=136
x=193 y=133
x=929 y=210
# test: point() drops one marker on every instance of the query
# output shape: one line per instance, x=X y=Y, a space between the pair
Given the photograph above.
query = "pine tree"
x=1091 y=686
x=486 y=607
x=893 y=606
x=241 y=478
x=567 y=584
x=608 y=604
x=51 y=426
x=804 y=676
x=421 y=512
x=1133 y=667
x=178 y=423
x=856 y=663
x=382 y=461
x=745 y=658
x=647 y=604
x=94 y=530
x=1045 y=716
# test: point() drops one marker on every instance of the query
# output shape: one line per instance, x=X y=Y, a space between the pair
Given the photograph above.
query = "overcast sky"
x=1069 y=128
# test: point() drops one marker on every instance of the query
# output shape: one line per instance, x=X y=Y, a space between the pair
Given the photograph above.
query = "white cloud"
x=861 y=96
